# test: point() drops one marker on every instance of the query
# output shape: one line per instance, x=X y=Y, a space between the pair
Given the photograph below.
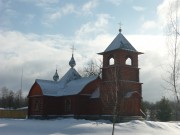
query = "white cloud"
x=138 y=8
x=164 y=12
x=159 y=54
x=38 y=55
x=55 y=14
x=102 y=20
x=87 y=7
x=149 y=25
x=99 y=25
x=153 y=64
x=65 y=10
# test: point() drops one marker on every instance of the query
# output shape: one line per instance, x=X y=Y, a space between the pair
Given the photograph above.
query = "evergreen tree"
x=164 y=111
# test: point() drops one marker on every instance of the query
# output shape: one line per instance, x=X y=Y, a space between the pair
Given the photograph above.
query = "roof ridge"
x=70 y=75
x=44 y=80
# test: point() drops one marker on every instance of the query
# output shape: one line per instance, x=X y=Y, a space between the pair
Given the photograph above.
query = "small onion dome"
x=72 y=62
x=56 y=76
x=120 y=30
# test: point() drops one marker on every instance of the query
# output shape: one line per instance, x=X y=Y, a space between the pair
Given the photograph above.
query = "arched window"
x=111 y=61
x=37 y=105
x=128 y=61
x=67 y=105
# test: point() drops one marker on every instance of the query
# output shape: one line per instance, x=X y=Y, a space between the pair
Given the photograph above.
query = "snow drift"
x=85 y=127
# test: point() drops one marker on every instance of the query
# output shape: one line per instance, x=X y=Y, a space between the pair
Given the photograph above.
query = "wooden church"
x=117 y=92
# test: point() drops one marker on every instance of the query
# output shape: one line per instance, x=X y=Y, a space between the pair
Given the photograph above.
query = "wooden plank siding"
x=80 y=104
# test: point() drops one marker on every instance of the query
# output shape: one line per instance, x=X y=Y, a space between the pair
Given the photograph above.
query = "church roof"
x=120 y=42
x=48 y=87
x=71 y=74
x=76 y=86
x=70 y=84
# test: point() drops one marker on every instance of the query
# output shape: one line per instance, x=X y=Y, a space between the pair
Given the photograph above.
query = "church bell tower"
x=120 y=78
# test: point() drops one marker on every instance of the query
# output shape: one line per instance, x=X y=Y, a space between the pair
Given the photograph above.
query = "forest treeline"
x=163 y=110
x=12 y=100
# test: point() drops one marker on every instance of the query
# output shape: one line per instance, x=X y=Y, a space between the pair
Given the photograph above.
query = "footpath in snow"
x=85 y=127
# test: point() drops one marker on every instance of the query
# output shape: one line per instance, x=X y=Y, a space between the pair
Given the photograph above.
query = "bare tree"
x=92 y=68
x=11 y=99
x=4 y=94
x=116 y=99
x=110 y=98
x=18 y=98
x=113 y=96
x=173 y=33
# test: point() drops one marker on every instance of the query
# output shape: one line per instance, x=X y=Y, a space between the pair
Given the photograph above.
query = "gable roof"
x=71 y=74
x=48 y=87
x=120 y=42
x=70 y=84
x=76 y=86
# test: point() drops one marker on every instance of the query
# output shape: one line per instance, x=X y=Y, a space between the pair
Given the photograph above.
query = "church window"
x=128 y=61
x=111 y=61
x=68 y=105
x=37 y=106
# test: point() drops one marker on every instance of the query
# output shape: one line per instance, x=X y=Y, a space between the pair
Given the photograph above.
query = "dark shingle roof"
x=120 y=42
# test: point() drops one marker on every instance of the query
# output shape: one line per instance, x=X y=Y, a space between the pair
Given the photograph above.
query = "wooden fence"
x=13 y=113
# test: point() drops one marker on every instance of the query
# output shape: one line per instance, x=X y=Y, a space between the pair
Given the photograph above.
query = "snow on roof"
x=71 y=74
x=130 y=94
x=120 y=42
x=76 y=86
x=70 y=84
x=48 y=87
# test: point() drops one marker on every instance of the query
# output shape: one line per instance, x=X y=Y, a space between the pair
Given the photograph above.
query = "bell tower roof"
x=120 y=42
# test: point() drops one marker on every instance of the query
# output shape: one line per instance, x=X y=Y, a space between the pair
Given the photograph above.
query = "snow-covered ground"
x=85 y=127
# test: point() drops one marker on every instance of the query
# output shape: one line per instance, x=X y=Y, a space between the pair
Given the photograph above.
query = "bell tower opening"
x=111 y=61
x=128 y=61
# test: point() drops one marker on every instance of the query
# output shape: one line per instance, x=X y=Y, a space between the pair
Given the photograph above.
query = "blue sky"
x=36 y=36
x=67 y=17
